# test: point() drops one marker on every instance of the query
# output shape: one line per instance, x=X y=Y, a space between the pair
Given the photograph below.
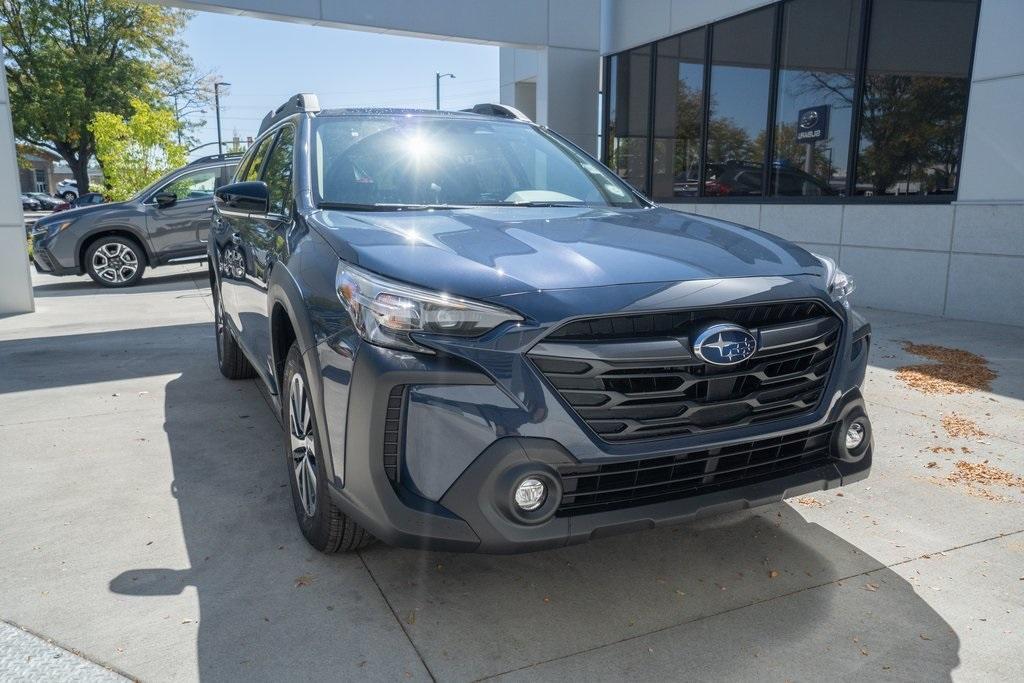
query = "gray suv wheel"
x=115 y=261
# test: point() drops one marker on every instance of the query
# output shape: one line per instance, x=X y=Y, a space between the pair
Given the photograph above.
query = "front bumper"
x=480 y=437
x=47 y=263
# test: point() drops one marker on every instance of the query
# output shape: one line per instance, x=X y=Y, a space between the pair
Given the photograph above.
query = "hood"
x=495 y=251
x=79 y=212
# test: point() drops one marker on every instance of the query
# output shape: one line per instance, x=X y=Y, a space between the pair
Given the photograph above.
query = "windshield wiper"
x=538 y=203
x=345 y=206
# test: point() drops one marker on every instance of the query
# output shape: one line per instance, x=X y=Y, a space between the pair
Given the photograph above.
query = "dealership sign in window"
x=812 y=124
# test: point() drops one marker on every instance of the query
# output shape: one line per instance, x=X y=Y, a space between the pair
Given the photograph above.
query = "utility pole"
x=216 y=104
x=437 y=88
x=177 y=119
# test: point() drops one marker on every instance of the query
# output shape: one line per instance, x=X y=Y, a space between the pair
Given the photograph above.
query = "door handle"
x=236 y=238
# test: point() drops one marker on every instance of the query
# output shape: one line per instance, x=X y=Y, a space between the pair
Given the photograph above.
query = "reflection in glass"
x=817 y=66
x=629 y=86
x=915 y=96
x=678 y=102
x=740 y=80
x=278 y=174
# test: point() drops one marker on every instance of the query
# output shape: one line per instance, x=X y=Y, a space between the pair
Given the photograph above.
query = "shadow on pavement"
x=270 y=607
x=736 y=596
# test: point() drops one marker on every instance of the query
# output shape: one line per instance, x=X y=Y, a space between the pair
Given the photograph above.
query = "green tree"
x=66 y=60
x=136 y=151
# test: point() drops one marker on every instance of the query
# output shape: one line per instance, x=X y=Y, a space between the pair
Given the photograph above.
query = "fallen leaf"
x=871 y=587
x=773 y=574
x=304 y=580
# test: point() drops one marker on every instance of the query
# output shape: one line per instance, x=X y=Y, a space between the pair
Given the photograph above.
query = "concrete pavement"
x=145 y=522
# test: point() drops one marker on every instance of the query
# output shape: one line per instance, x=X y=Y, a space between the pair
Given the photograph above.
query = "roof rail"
x=215 y=157
x=303 y=102
x=502 y=110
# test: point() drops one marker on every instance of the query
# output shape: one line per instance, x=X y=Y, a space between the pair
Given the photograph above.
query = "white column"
x=567 y=86
x=15 y=282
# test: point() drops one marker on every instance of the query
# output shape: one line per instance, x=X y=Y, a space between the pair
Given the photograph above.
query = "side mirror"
x=249 y=197
x=165 y=199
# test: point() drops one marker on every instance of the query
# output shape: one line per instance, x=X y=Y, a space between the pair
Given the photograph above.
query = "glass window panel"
x=678 y=115
x=817 y=76
x=740 y=81
x=198 y=185
x=278 y=173
x=915 y=96
x=255 y=160
x=629 y=85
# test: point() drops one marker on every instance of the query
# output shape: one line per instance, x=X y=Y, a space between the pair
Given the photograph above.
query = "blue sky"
x=267 y=61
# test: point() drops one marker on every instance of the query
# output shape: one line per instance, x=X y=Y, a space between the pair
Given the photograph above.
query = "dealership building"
x=882 y=133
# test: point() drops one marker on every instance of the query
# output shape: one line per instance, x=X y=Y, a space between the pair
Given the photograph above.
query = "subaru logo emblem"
x=809 y=119
x=724 y=344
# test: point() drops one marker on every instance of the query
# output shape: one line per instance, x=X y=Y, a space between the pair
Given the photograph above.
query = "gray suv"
x=167 y=222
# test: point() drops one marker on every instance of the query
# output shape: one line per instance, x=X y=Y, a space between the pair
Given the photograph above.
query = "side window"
x=197 y=185
x=278 y=173
x=251 y=169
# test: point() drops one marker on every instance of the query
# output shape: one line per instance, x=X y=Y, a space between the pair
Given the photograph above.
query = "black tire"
x=115 y=261
x=69 y=196
x=324 y=525
x=230 y=358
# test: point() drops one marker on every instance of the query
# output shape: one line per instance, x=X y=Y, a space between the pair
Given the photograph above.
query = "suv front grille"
x=633 y=377
x=676 y=323
x=597 y=488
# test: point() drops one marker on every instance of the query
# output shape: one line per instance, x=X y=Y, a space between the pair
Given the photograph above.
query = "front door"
x=264 y=243
x=174 y=230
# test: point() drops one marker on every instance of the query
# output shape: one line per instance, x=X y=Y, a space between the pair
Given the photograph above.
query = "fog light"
x=854 y=435
x=530 y=494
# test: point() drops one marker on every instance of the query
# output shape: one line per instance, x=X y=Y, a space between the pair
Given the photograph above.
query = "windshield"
x=394 y=162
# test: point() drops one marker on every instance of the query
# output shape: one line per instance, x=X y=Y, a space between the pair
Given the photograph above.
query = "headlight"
x=52 y=228
x=387 y=313
x=840 y=285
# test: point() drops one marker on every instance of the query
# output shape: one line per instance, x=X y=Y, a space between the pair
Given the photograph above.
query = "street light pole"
x=437 y=88
x=216 y=104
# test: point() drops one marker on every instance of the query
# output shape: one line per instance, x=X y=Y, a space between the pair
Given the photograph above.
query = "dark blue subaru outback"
x=480 y=339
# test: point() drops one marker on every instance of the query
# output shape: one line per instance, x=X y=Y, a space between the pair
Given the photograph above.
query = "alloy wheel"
x=303 y=445
x=115 y=262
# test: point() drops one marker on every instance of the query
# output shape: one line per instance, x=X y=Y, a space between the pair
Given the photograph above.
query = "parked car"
x=114 y=243
x=738 y=178
x=67 y=190
x=46 y=202
x=88 y=199
x=28 y=203
x=480 y=339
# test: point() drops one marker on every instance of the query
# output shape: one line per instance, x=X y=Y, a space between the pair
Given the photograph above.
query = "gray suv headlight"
x=387 y=312
x=54 y=228
x=840 y=285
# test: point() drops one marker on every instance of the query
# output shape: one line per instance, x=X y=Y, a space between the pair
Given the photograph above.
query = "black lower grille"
x=393 y=432
x=597 y=488
x=651 y=386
